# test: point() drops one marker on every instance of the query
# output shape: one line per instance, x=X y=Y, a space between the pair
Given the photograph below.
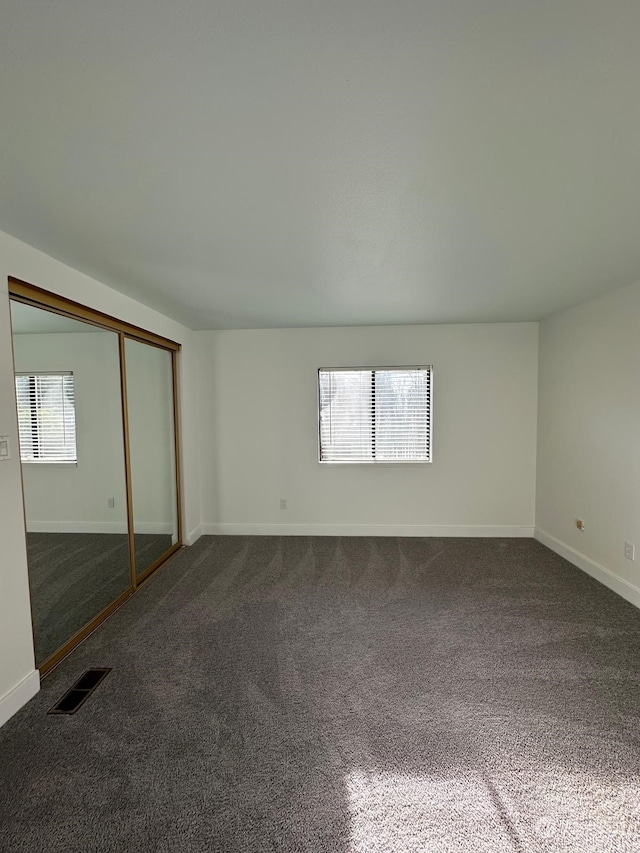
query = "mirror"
x=72 y=450
x=152 y=450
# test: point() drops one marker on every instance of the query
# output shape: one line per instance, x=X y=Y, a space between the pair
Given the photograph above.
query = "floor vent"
x=80 y=692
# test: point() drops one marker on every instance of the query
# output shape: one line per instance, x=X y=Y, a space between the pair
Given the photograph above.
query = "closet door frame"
x=37 y=297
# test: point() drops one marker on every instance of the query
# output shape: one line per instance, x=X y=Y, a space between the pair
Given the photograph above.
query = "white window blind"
x=375 y=414
x=46 y=417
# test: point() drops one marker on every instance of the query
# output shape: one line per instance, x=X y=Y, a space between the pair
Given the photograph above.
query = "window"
x=375 y=414
x=46 y=417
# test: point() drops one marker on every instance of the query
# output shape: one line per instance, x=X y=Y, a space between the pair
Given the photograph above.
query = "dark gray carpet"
x=342 y=696
x=74 y=576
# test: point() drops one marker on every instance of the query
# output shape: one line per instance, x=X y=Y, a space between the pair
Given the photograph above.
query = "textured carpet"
x=74 y=576
x=342 y=695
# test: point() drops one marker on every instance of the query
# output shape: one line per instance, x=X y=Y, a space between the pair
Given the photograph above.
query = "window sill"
x=65 y=463
x=375 y=462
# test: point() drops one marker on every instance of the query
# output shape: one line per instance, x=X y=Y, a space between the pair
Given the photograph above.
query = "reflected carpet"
x=74 y=576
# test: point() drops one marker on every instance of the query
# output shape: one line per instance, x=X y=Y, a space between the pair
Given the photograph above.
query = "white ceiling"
x=243 y=163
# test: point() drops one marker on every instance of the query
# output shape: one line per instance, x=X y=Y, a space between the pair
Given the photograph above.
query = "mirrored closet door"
x=73 y=471
x=98 y=445
x=152 y=446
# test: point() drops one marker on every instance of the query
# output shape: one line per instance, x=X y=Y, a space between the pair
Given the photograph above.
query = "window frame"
x=45 y=460
x=374 y=368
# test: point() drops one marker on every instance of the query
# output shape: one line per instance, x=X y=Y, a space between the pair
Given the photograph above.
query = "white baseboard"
x=18 y=696
x=193 y=536
x=97 y=527
x=365 y=530
x=166 y=527
x=619 y=585
x=76 y=526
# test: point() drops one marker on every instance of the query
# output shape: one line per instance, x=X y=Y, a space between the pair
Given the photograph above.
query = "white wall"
x=258 y=400
x=18 y=679
x=588 y=437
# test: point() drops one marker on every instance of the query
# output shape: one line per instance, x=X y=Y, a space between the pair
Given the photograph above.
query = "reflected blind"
x=375 y=414
x=46 y=417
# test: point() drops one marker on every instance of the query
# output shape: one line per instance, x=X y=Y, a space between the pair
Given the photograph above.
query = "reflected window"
x=46 y=417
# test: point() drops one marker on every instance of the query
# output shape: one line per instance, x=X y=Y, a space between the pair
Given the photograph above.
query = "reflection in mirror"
x=72 y=453
x=152 y=451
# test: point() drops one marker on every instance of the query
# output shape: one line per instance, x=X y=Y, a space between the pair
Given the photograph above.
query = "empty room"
x=319 y=418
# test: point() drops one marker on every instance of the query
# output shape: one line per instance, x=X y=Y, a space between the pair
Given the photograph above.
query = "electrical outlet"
x=111 y=503
x=5 y=453
x=579 y=524
x=283 y=503
x=629 y=550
